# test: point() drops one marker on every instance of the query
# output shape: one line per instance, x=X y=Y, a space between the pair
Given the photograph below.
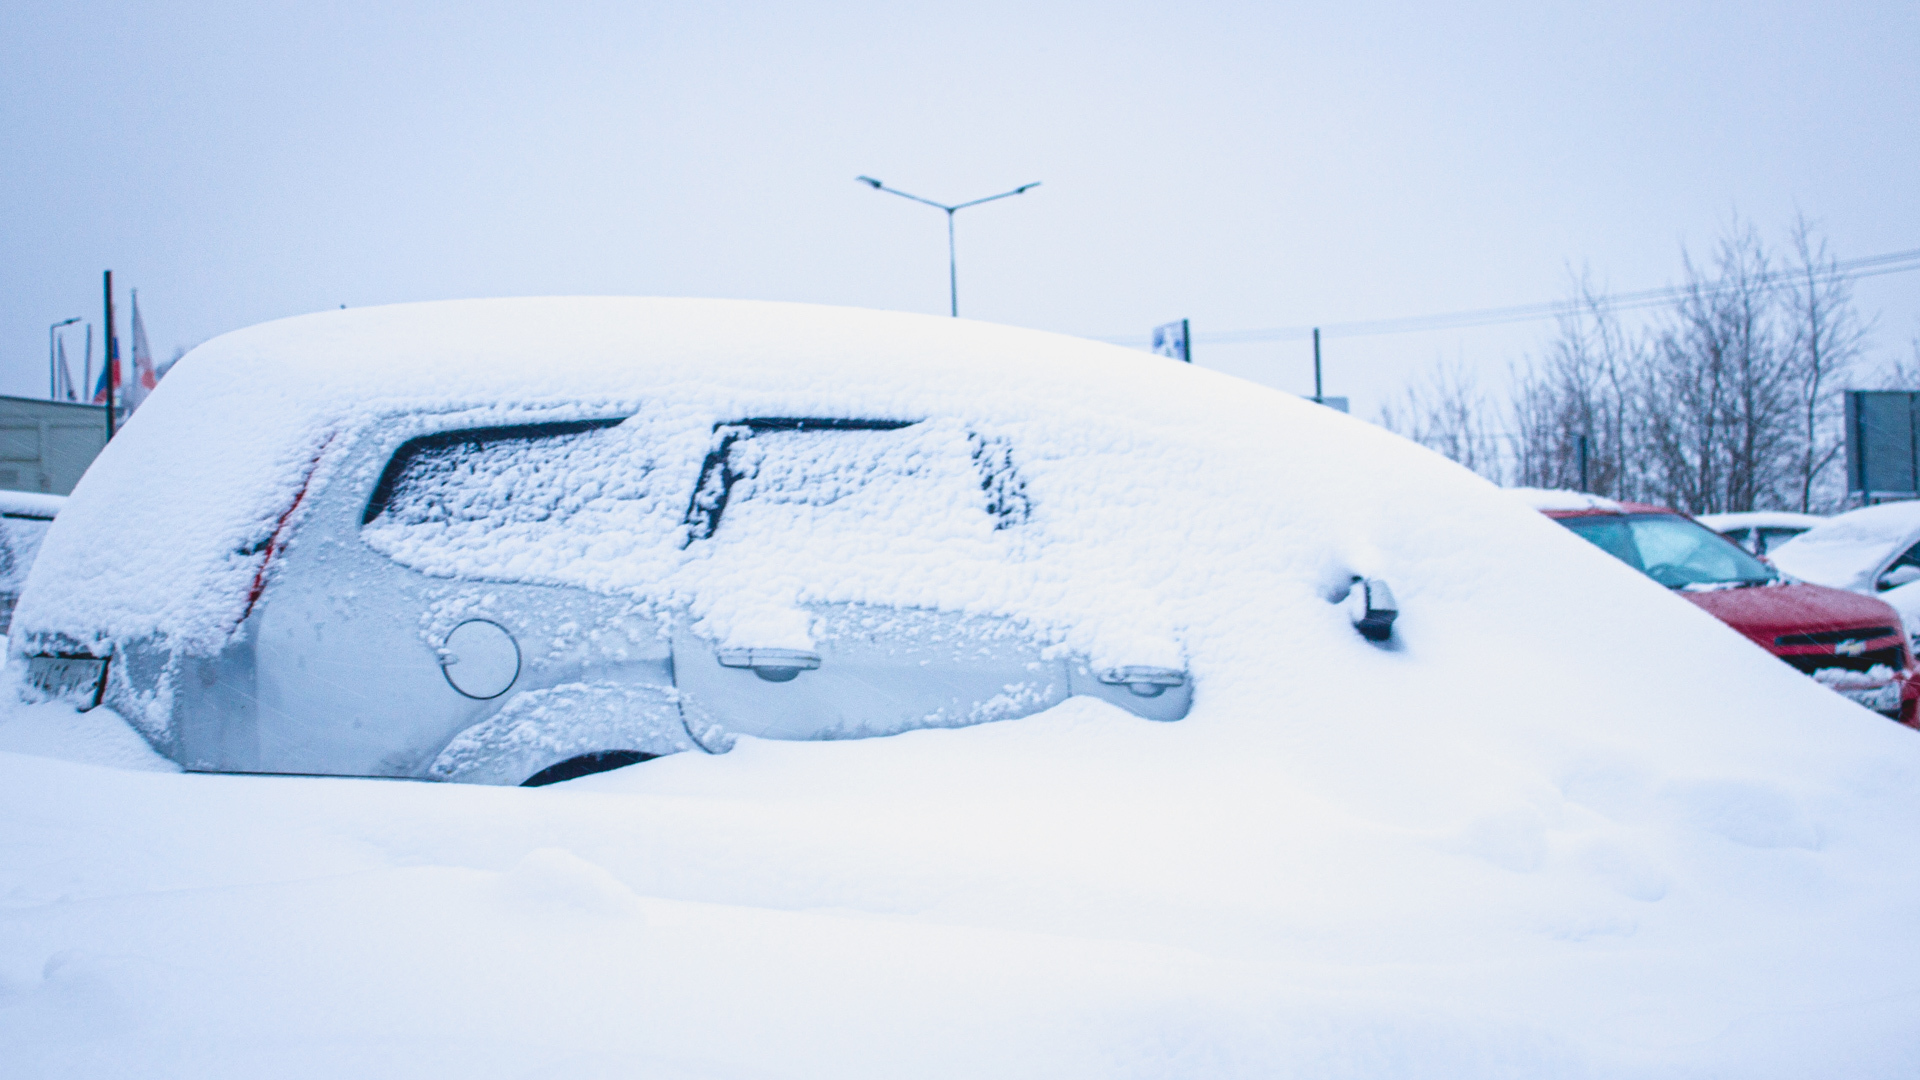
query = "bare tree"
x=1726 y=430
x=1448 y=412
x=1577 y=405
x=1728 y=399
x=1827 y=339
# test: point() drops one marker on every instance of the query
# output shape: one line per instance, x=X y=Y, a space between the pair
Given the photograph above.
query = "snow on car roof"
x=1563 y=499
x=31 y=504
x=1844 y=551
x=1760 y=519
x=1131 y=458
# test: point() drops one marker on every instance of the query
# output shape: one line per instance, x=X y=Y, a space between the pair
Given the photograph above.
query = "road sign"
x=1883 y=444
x=1171 y=340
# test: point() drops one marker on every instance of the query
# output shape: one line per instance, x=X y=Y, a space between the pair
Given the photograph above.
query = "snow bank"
x=1567 y=824
x=97 y=737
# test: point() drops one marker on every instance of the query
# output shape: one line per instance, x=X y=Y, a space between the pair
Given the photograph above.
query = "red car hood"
x=1764 y=612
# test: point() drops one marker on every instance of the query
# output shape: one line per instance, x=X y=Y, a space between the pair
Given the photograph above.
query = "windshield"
x=1672 y=550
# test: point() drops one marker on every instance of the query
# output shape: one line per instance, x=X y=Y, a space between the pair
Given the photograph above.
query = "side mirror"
x=1905 y=574
x=1371 y=606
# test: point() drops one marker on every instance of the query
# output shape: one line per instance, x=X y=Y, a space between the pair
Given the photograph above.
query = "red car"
x=1849 y=642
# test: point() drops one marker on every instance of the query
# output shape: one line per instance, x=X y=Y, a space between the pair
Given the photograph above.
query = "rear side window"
x=525 y=472
x=776 y=482
x=519 y=502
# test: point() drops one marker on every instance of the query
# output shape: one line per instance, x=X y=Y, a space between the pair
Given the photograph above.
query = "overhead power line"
x=1897 y=262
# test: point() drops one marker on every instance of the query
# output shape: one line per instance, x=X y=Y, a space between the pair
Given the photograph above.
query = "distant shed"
x=46 y=445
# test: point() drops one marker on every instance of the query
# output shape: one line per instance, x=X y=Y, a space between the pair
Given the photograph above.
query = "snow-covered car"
x=24 y=517
x=1874 y=551
x=1848 y=643
x=571 y=559
x=1760 y=531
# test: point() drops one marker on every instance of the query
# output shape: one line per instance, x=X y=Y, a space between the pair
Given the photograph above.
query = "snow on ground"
x=1080 y=893
x=1567 y=825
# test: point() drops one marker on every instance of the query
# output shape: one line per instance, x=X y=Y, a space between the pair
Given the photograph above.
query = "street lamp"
x=953 y=272
x=53 y=378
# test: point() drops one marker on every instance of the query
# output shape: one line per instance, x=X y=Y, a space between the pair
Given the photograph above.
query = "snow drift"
x=1567 y=824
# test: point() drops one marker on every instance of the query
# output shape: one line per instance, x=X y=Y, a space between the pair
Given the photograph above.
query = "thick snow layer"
x=1843 y=552
x=1077 y=894
x=30 y=504
x=53 y=730
x=1565 y=824
x=1562 y=499
x=1760 y=519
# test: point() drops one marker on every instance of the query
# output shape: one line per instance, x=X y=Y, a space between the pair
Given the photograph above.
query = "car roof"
x=1564 y=503
x=1845 y=550
x=201 y=478
x=1760 y=519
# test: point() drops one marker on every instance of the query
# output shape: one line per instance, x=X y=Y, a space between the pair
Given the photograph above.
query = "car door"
x=826 y=548
x=423 y=595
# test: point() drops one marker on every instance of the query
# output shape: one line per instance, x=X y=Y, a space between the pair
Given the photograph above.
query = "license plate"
x=1884 y=699
x=75 y=679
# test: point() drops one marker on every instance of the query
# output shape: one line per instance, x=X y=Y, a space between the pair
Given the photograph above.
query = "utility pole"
x=113 y=349
x=1316 y=367
x=53 y=375
x=1583 y=464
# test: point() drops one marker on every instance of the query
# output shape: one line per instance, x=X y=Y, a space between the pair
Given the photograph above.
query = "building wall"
x=46 y=445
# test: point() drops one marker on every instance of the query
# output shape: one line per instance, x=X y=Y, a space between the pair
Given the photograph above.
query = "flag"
x=63 y=377
x=144 y=377
x=109 y=371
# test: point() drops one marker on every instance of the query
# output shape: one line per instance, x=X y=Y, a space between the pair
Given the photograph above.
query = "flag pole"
x=106 y=290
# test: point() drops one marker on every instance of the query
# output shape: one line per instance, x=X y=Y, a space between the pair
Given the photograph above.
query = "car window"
x=1672 y=550
x=1909 y=557
x=1610 y=534
x=1769 y=538
x=783 y=479
x=521 y=502
x=20 y=539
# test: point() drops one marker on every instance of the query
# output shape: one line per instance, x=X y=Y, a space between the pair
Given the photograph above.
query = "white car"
x=24 y=517
x=568 y=561
x=1760 y=531
x=1874 y=550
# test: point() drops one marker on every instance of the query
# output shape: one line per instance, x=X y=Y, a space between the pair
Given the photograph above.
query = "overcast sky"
x=1241 y=165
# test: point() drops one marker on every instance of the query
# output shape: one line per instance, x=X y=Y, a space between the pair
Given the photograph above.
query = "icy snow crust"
x=1568 y=825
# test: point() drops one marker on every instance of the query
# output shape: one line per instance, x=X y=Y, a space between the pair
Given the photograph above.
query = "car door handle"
x=1144 y=681
x=773 y=665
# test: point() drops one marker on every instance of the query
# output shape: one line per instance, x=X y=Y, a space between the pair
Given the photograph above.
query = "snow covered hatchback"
x=584 y=556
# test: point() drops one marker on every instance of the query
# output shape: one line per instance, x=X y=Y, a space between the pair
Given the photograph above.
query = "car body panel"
x=346 y=658
x=1852 y=550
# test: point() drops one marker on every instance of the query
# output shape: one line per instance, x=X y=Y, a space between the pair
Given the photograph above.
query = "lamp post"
x=953 y=271
x=53 y=377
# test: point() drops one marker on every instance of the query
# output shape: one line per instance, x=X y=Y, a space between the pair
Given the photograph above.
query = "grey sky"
x=1243 y=165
